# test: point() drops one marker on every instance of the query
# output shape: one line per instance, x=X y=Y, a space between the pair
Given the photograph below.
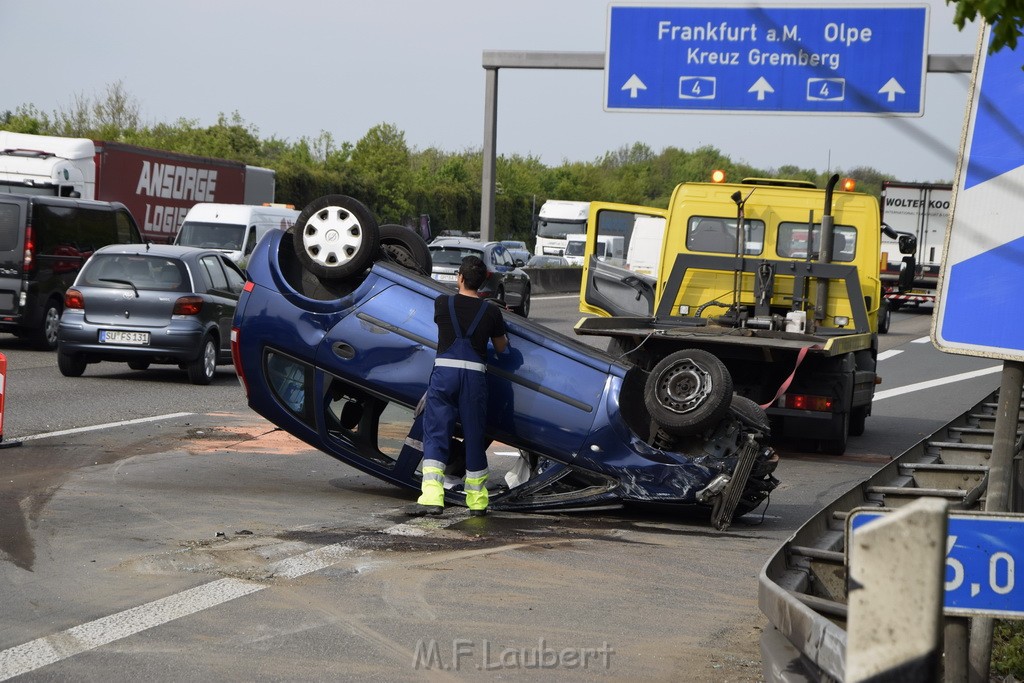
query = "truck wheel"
x=335 y=237
x=401 y=245
x=837 y=446
x=884 y=317
x=858 y=418
x=688 y=391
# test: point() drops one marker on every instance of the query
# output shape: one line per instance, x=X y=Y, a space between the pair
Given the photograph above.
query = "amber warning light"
x=718 y=176
x=849 y=184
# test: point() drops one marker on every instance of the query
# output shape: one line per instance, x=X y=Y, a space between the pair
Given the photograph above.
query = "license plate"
x=121 y=337
x=445 y=277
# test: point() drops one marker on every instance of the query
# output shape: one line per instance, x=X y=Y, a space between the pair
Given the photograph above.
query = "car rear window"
x=145 y=272
x=10 y=226
x=452 y=256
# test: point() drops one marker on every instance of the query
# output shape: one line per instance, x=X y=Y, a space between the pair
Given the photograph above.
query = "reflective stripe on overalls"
x=457 y=391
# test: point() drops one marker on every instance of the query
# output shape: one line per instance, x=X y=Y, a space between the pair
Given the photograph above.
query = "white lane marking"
x=936 y=382
x=93 y=428
x=921 y=340
x=40 y=652
x=889 y=354
x=557 y=296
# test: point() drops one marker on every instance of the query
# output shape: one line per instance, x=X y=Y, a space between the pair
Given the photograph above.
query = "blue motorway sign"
x=982 y=551
x=831 y=59
x=978 y=310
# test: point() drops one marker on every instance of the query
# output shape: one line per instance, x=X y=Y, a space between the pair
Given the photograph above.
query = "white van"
x=645 y=244
x=607 y=247
x=233 y=228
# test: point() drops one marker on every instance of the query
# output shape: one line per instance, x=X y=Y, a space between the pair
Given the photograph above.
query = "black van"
x=43 y=243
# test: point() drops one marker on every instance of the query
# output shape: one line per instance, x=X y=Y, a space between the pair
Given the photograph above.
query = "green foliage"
x=1008 y=649
x=1005 y=16
x=400 y=184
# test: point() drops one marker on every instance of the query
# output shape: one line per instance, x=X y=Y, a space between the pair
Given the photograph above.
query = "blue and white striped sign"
x=981 y=300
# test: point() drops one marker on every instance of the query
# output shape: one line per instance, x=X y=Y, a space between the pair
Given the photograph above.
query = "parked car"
x=146 y=304
x=538 y=261
x=341 y=362
x=506 y=282
x=520 y=252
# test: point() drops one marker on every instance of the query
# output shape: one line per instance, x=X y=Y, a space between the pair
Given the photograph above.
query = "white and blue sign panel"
x=979 y=309
x=982 y=552
x=835 y=59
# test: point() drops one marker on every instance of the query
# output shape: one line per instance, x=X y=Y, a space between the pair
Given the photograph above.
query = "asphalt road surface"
x=154 y=530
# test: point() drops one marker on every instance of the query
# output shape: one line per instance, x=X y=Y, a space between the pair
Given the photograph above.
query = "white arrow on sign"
x=892 y=88
x=633 y=84
x=761 y=86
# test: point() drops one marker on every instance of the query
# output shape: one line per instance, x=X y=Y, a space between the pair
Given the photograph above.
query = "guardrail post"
x=897 y=567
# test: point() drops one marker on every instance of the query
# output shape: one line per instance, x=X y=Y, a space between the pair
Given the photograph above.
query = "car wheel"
x=523 y=308
x=750 y=413
x=70 y=365
x=688 y=391
x=202 y=369
x=401 y=245
x=138 y=364
x=45 y=337
x=335 y=237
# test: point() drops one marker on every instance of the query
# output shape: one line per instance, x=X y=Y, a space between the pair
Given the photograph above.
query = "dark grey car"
x=506 y=282
x=144 y=304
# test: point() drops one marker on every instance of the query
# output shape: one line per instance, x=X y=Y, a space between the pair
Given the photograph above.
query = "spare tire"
x=336 y=237
x=402 y=246
x=688 y=391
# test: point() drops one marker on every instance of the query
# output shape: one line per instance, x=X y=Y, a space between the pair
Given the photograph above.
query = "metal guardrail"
x=802 y=588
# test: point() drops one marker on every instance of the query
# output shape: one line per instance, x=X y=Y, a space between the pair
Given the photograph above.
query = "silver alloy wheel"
x=51 y=325
x=209 y=359
x=332 y=236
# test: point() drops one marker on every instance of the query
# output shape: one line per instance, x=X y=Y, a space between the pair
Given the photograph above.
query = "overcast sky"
x=297 y=68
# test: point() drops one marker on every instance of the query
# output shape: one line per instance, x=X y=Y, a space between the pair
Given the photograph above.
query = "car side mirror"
x=907 y=243
x=907 y=270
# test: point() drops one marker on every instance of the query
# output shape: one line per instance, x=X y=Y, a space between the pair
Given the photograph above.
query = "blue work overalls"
x=457 y=391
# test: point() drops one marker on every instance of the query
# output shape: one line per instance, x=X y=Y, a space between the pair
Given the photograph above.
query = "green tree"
x=382 y=172
x=1005 y=16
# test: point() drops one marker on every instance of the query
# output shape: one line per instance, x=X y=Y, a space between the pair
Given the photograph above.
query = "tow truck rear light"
x=236 y=359
x=821 y=404
x=718 y=176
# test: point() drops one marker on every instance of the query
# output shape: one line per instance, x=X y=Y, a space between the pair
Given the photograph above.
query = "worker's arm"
x=500 y=343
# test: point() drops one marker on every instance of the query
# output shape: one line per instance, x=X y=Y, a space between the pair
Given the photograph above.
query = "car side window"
x=213 y=272
x=236 y=281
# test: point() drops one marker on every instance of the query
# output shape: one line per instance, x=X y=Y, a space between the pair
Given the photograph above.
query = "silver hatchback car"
x=143 y=304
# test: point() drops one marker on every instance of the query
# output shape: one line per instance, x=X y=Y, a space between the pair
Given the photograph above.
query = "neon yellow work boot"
x=431 y=500
x=476 y=493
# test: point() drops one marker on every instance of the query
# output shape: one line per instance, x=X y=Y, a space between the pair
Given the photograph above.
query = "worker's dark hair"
x=473 y=272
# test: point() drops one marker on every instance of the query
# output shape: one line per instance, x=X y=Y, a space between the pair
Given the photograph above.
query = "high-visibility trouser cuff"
x=433 y=486
x=476 y=490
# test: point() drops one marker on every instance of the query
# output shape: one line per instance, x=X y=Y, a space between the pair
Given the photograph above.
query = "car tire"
x=138 y=364
x=45 y=336
x=402 y=246
x=884 y=317
x=750 y=413
x=523 y=308
x=202 y=369
x=336 y=237
x=688 y=391
x=70 y=365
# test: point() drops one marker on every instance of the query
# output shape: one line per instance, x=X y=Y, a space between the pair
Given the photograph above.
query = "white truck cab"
x=557 y=219
x=233 y=228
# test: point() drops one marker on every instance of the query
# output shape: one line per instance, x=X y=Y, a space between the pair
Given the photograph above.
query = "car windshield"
x=211 y=235
x=452 y=256
x=575 y=248
x=144 y=272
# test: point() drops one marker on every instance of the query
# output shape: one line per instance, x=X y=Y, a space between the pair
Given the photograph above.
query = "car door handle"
x=343 y=350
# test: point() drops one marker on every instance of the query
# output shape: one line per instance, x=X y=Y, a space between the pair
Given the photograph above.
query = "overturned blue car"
x=333 y=339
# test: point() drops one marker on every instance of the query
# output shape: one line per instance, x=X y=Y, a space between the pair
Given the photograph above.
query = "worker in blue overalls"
x=458 y=389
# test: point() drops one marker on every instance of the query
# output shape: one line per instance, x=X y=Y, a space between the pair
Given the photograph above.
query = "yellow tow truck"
x=767 y=288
